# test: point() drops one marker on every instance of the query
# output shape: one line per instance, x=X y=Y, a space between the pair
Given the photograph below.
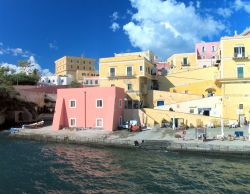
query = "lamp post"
x=85 y=116
x=222 y=108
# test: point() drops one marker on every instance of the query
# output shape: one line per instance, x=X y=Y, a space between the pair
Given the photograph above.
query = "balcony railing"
x=121 y=77
x=185 y=64
x=240 y=56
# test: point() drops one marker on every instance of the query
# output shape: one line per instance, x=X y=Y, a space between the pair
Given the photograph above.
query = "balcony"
x=185 y=64
x=121 y=77
x=240 y=56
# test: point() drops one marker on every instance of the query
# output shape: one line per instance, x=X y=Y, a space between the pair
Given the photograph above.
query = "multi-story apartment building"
x=182 y=61
x=135 y=72
x=77 y=67
x=207 y=53
x=235 y=76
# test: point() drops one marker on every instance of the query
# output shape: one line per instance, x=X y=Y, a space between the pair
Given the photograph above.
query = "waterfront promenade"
x=160 y=139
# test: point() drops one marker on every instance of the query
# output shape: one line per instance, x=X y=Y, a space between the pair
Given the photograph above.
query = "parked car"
x=233 y=125
x=131 y=125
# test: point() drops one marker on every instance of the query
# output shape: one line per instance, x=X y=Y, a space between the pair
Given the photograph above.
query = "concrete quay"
x=156 y=139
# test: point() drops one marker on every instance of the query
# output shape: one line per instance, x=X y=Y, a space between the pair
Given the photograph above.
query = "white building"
x=56 y=80
x=210 y=106
x=91 y=81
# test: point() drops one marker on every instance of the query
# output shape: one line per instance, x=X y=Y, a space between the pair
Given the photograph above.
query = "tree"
x=75 y=84
x=24 y=65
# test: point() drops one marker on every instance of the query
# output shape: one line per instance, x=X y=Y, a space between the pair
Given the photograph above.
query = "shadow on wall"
x=164 y=83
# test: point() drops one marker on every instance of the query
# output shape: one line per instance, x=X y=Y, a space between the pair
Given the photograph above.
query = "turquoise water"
x=35 y=167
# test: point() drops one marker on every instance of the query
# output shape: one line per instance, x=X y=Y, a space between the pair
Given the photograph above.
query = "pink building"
x=162 y=68
x=206 y=53
x=206 y=50
x=92 y=107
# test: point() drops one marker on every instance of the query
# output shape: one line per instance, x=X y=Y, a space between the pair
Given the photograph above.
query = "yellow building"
x=134 y=72
x=199 y=81
x=235 y=76
x=78 y=67
x=182 y=61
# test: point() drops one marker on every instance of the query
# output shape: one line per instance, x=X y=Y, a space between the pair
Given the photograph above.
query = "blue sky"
x=44 y=30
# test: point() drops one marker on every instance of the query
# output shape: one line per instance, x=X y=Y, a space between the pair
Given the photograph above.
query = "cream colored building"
x=182 y=61
x=134 y=72
x=235 y=76
x=77 y=67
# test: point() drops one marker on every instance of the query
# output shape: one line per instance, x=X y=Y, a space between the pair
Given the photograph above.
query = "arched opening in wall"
x=210 y=91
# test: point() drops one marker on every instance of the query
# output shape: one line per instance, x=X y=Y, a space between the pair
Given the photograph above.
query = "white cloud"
x=245 y=5
x=167 y=27
x=53 y=45
x=115 y=16
x=13 y=51
x=115 y=26
x=33 y=65
x=225 y=12
x=198 y=4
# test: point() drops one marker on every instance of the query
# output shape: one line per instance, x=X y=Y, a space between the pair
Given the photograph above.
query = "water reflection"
x=33 y=167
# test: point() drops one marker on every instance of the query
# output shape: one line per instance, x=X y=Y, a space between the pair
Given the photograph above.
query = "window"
x=185 y=61
x=99 y=103
x=91 y=82
x=160 y=103
x=240 y=72
x=141 y=68
x=72 y=103
x=89 y=68
x=89 y=62
x=239 y=51
x=129 y=87
x=112 y=72
x=77 y=61
x=120 y=121
x=96 y=82
x=120 y=103
x=213 y=48
x=84 y=63
x=99 y=122
x=191 y=110
x=148 y=70
x=72 y=122
x=129 y=71
x=203 y=49
x=241 y=106
x=83 y=74
x=87 y=82
x=77 y=67
x=83 y=67
x=71 y=66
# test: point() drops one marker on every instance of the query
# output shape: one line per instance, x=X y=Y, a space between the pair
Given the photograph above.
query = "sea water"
x=37 y=167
